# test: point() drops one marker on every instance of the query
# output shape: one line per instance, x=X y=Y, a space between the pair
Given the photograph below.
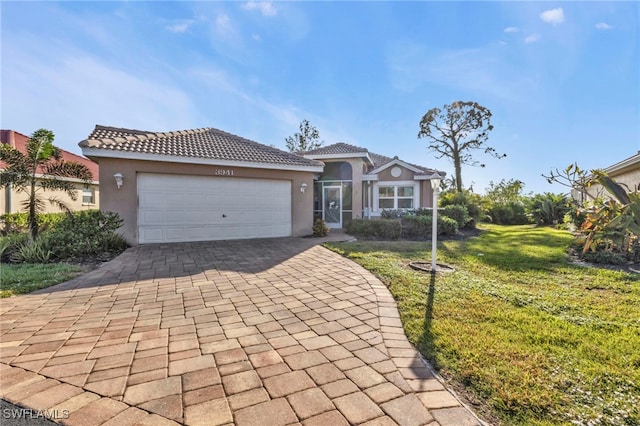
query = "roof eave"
x=97 y=153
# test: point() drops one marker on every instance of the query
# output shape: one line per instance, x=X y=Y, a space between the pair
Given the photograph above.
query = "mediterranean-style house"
x=12 y=201
x=207 y=184
x=625 y=172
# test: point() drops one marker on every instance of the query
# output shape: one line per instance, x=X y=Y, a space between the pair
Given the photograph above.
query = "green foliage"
x=472 y=202
x=548 y=208
x=86 y=233
x=534 y=339
x=33 y=251
x=458 y=213
x=510 y=213
x=38 y=170
x=306 y=140
x=613 y=226
x=420 y=227
x=457 y=130
x=10 y=245
x=19 y=222
x=505 y=191
x=320 y=228
x=386 y=229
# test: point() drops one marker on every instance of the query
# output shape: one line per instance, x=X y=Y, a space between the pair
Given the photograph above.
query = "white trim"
x=98 y=152
x=331 y=224
x=396 y=162
x=416 y=193
x=67 y=179
x=634 y=159
x=368 y=178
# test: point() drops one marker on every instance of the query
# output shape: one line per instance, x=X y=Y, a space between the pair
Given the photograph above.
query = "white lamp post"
x=435 y=185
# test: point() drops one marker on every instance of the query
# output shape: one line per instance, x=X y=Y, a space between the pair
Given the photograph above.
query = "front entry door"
x=332 y=206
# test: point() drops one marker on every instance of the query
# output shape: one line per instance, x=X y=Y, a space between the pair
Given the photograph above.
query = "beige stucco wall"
x=124 y=200
x=628 y=177
x=426 y=193
x=11 y=201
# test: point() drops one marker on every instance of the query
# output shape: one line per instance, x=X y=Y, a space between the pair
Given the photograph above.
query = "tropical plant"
x=41 y=168
x=615 y=224
x=455 y=131
x=548 y=208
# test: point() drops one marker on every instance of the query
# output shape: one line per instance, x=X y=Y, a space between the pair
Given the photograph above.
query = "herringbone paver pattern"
x=276 y=331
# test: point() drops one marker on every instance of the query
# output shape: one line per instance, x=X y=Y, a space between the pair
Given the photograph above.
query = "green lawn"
x=25 y=277
x=534 y=338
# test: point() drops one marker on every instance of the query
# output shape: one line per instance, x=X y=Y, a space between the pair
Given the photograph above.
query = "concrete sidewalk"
x=255 y=332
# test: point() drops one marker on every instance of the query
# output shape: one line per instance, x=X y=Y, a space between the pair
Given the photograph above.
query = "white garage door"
x=177 y=208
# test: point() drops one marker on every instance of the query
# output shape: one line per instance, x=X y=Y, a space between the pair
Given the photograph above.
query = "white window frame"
x=93 y=196
x=395 y=185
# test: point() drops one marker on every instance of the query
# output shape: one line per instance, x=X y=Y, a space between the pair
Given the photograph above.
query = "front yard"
x=528 y=337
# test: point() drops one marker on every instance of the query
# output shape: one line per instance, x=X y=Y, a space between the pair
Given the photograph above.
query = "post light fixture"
x=435 y=186
x=119 y=179
x=303 y=187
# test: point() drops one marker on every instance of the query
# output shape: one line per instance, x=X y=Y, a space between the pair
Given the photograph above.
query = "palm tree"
x=40 y=169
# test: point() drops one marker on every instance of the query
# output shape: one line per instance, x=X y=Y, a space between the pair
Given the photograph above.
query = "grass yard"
x=533 y=339
x=25 y=277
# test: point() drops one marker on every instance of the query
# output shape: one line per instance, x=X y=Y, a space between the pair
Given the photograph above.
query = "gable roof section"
x=198 y=146
x=378 y=162
x=19 y=141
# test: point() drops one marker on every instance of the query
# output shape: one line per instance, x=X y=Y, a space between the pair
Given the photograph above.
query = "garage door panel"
x=176 y=208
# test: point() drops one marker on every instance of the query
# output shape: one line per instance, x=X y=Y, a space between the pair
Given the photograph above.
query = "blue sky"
x=562 y=79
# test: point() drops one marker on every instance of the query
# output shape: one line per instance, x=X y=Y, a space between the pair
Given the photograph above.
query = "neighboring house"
x=207 y=184
x=356 y=183
x=12 y=201
x=626 y=172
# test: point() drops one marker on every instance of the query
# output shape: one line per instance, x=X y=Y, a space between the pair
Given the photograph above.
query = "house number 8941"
x=223 y=172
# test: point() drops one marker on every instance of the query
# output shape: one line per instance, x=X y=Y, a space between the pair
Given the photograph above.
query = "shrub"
x=548 y=208
x=510 y=213
x=11 y=244
x=388 y=229
x=37 y=251
x=320 y=229
x=86 y=233
x=19 y=222
x=419 y=227
x=458 y=213
x=473 y=202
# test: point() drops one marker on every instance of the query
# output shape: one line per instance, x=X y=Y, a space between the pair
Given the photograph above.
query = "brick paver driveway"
x=260 y=332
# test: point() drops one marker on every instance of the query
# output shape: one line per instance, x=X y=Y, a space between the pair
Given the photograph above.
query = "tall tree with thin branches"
x=307 y=139
x=455 y=131
x=40 y=169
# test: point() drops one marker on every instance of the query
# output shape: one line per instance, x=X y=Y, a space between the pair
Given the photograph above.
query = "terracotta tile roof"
x=205 y=143
x=19 y=142
x=377 y=159
x=336 y=148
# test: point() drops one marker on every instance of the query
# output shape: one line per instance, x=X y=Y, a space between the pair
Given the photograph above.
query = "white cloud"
x=603 y=26
x=553 y=16
x=265 y=7
x=224 y=26
x=532 y=38
x=511 y=30
x=180 y=26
